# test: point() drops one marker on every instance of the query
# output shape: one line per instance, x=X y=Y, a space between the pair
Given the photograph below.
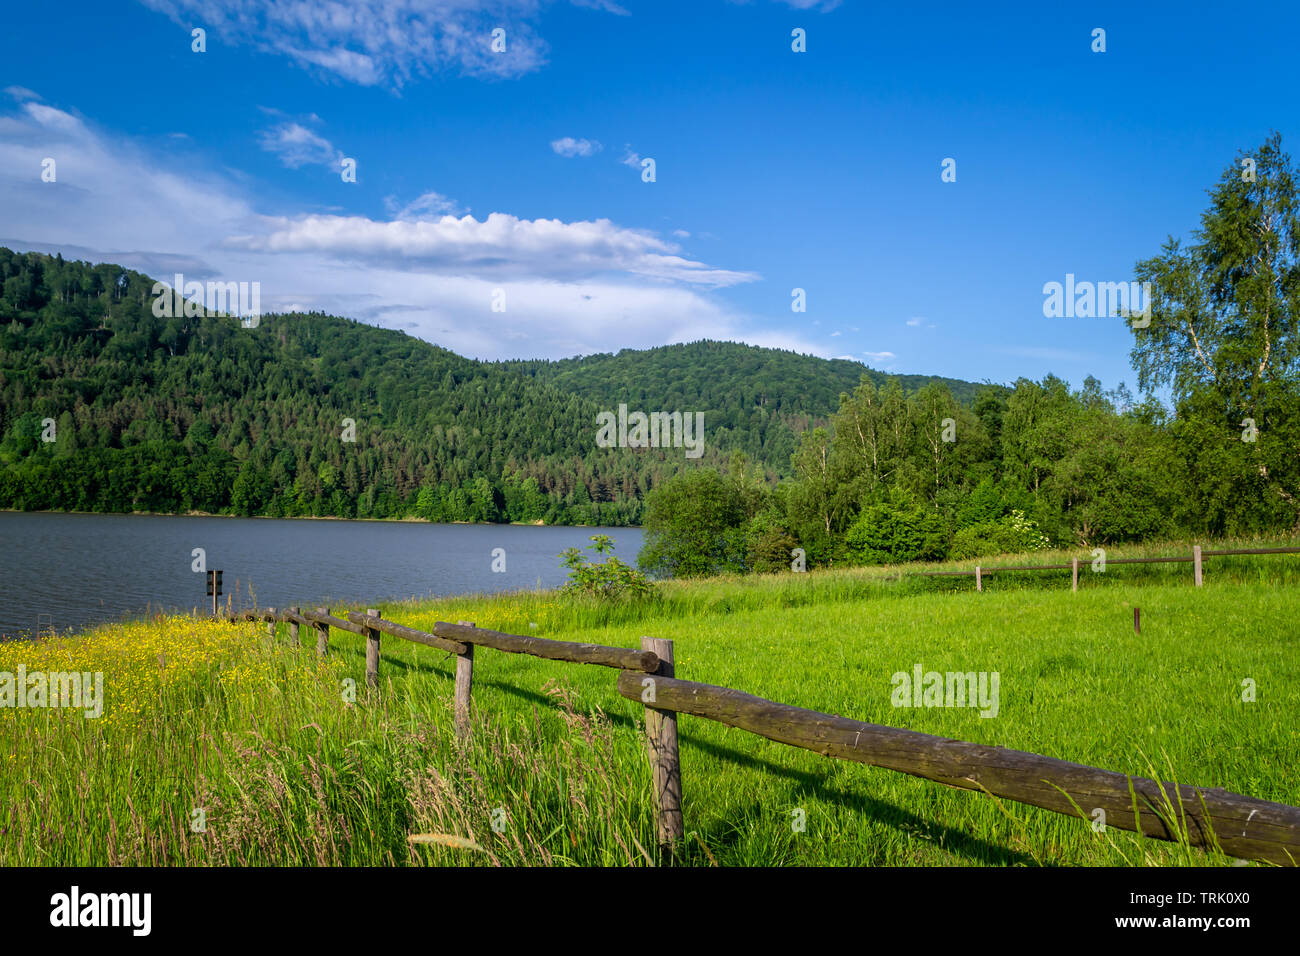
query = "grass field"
x=257 y=735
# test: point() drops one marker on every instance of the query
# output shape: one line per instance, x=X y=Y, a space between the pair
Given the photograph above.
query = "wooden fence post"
x=1196 y=563
x=979 y=579
x=1074 y=573
x=372 y=651
x=1137 y=620
x=661 y=735
x=322 y=633
x=293 y=627
x=270 y=625
x=464 y=686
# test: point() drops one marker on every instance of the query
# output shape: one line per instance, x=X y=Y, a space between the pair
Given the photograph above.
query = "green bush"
x=1010 y=534
x=981 y=505
x=770 y=543
x=901 y=529
x=695 y=526
x=609 y=579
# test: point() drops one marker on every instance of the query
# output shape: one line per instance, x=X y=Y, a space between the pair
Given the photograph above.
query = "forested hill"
x=723 y=374
x=763 y=398
x=179 y=414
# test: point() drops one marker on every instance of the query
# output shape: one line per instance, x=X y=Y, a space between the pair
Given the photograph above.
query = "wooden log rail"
x=456 y=638
x=980 y=572
x=623 y=658
x=1251 y=551
x=394 y=629
x=319 y=617
x=1242 y=826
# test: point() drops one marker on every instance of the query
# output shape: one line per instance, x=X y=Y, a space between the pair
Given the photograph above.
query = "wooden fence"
x=1240 y=826
x=980 y=573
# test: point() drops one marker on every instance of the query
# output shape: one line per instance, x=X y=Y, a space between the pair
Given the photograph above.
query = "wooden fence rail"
x=979 y=572
x=322 y=617
x=394 y=629
x=620 y=657
x=1241 y=826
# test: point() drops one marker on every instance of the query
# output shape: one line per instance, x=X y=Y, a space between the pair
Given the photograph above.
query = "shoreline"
x=406 y=520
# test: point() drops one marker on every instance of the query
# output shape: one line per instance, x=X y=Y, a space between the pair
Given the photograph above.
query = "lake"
x=61 y=571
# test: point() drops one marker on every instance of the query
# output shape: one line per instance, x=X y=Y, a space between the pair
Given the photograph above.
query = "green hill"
x=755 y=399
x=179 y=414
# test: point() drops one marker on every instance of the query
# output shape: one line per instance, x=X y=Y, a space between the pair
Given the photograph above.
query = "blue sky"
x=480 y=171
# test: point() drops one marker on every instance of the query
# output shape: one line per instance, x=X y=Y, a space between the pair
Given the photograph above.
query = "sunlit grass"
x=289 y=769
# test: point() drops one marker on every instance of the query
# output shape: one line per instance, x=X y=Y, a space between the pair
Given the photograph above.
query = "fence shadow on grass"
x=804 y=782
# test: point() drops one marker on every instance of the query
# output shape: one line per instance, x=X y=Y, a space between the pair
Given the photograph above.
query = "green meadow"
x=248 y=750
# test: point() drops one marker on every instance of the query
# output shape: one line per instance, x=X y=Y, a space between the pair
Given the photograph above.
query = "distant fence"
x=1240 y=826
x=980 y=573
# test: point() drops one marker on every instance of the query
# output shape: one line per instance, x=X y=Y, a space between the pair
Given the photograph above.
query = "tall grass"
x=219 y=746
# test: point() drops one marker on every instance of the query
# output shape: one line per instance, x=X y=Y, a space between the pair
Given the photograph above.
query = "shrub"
x=1011 y=534
x=983 y=505
x=611 y=578
x=695 y=526
x=770 y=543
x=896 y=531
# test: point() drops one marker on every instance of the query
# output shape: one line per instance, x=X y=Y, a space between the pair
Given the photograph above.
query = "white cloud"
x=570 y=147
x=571 y=287
x=825 y=6
x=882 y=357
x=150 y=212
x=606 y=5
x=21 y=93
x=681 y=234
x=833 y=334
x=297 y=146
x=428 y=205
x=55 y=120
x=360 y=68
x=500 y=245
x=379 y=42
x=630 y=158
x=914 y=322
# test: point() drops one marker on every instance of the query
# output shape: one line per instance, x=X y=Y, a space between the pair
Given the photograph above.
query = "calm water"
x=64 y=571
